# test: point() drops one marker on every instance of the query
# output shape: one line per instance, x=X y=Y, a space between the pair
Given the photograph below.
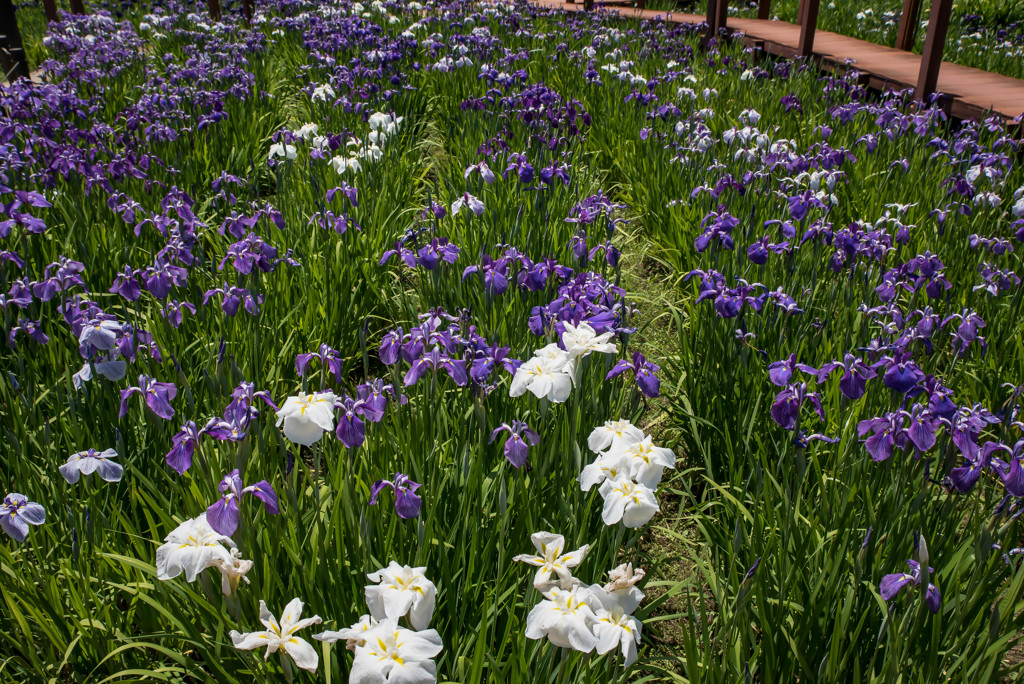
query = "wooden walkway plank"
x=972 y=91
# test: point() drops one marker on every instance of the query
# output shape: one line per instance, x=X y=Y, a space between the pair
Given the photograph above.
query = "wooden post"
x=50 y=8
x=907 y=32
x=718 y=14
x=76 y=6
x=934 y=44
x=247 y=9
x=214 y=7
x=764 y=9
x=12 y=57
x=808 y=25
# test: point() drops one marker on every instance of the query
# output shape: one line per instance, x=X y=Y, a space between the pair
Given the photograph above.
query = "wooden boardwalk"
x=971 y=93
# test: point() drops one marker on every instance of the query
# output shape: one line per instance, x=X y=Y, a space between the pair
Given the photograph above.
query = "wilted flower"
x=233 y=572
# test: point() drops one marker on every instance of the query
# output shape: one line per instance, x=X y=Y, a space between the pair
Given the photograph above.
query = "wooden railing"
x=906 y=34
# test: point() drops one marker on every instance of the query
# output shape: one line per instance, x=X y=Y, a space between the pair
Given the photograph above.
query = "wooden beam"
x=13 y=59
x=247 y=9
x=934 y=45
x=76 y=6
x=906 y=34
x=214 y=7
x=50 y=8
x=808 y=25
x=764 y=9
x=718 y=13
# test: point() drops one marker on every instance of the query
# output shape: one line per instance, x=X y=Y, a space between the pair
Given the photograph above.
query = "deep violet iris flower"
x=643 y=370
x=407 y=502
x=520 y=439
x=223 y=515
x=891 y=585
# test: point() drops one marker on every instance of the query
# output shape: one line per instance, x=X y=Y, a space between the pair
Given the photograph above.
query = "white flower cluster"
x=385 y=652
x=382 y=127
x=552 y=371
x=628 y=470
x=579 y=616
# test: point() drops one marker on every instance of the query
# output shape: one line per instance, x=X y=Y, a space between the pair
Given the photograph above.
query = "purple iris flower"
x=781 y=372
x=347 y=190
x=644 y=372
x=158 y=396
x=901 y=374
x=225 y=429
x=127 y=284
x=391 y=346
x=494 y=272
x=374 y=398
x=407 y=502
x=759 y=251
x=964 y=477
x=223 y=515
x=243 y=407
x=1011 y=473
x=438 y=250
x=20 y=294
x=967 y=332
x=328 y=357
x=174 y=311
x=891 y=585
x=17 y=513
x=520 y=439
x=435 y=360
x=184 y=444
x=922 y=428
x=487 y=358
x=351 y=429
x=249 y=253
x=30 y=328
x=233 y=297
x=161 y=278
x=785 y=409
x=856 y=373
x=888 y=433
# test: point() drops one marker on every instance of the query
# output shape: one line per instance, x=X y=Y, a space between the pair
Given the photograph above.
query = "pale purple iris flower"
x=520 y=439
x=17 y=513
x=407 y=502
x=223 y=515
x=158 y=396
x=92 y=461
